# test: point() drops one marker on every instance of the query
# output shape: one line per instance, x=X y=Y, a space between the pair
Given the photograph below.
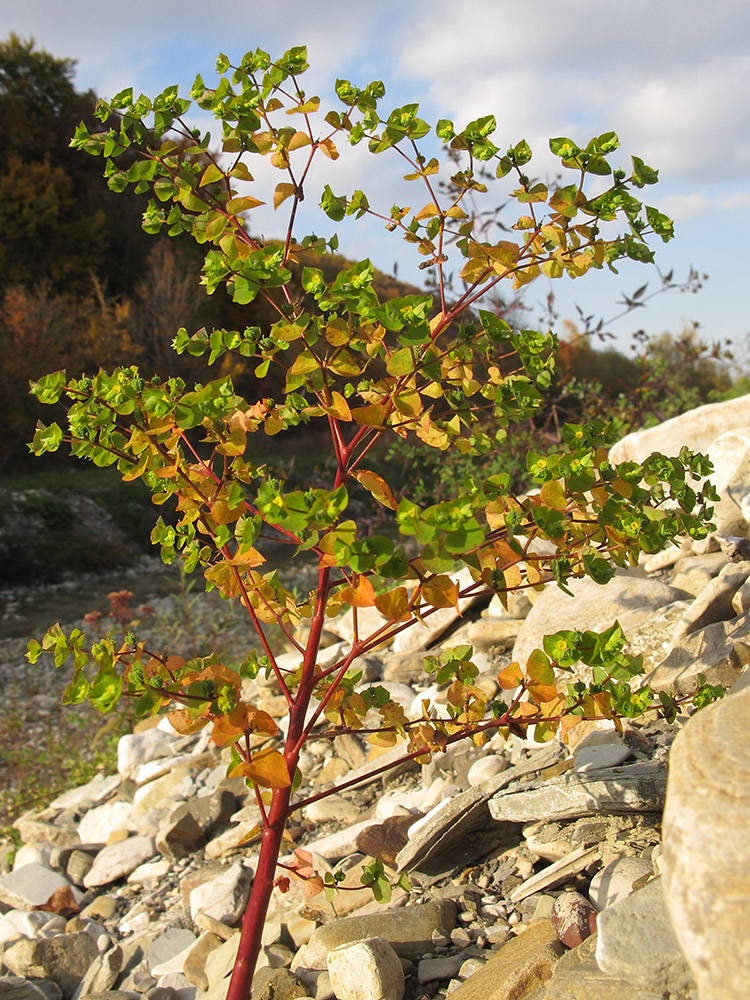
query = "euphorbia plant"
x=424 y=365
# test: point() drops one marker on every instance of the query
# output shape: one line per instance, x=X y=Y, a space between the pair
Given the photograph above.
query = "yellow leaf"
x=281 y=193
x=268 y=769
x=184 y=724
x=299 y=139
x=382 y=739
x=237 y=205
x=440 y=592
x=394 y=605
x=428 y=212
x=329 y=148
x=250 y=835
x=338 y=407
x=553 y=495
x=377 y=486
x=371 y=416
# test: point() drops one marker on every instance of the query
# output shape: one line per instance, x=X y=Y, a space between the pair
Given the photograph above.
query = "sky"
x=671 y=78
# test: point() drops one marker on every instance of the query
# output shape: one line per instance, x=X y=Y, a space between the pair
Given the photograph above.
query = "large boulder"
x=706 y=859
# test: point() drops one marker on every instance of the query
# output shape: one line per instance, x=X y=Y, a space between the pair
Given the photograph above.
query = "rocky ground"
x=536 y=871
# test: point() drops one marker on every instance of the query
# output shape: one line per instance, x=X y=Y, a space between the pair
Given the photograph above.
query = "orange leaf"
x=268 y=768
x=228 y=728
x=510 y=677
x=184 y=724
x=262 y=722
x=394 y=605
x=360 y=596
x=377 y=486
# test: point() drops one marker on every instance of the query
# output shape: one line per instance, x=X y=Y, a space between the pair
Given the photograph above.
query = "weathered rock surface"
x=705 y=859
x=368 y=969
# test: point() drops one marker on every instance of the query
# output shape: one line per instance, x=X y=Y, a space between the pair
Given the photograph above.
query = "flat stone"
x=151 y=870
x=117 y=860
x=486 y=768
x=22 y=923
x=430 y=969
x=64 y=958
x=705 y=846
x=224 y=897
x=92 y=793
x=102 y=974
x=277 y=984
x=179 y=835
x=523 y=964
x=577 y=977
x=489 y=632
x=630 y=788
x=368 y=969
x=636 y=941
x=34 y=886
x=714 y=602
x=617 y=880
x=605 y=754
x=33 y=830
x=195 y=956
x=16 y=988
x=408 y=929
x=342 y=843
x=716 y=651
x=459 y=830
x=171 y=945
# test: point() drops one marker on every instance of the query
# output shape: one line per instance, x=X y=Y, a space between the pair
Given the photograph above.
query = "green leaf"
x=105 y=691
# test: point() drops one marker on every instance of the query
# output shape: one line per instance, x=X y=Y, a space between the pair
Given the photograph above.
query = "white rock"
x=366 y=970
x=30 y=853
x=593 y=756
x=160 y=765
x=485 y=768
x=92 y=793
x=100 y=823
x=136 y=749
x=617 y=880
x=341 y=843
x=33 y=885
x=438 y=968
x=151 y=870
x=223 y=897
x=117 y=860
x=22 y=923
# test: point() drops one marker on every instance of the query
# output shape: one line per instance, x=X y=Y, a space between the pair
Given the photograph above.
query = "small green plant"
x=424 y=366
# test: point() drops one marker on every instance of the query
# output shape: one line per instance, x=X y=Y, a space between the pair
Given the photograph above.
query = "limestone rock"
x=223 y=897
x=630 y=788
x=618 y=880
x=98 y=825
x=716 y=651
x=628 y=598
x=35 y=885
x=409 y=930
x=705 y=858
x=117 y=860
x=520 y=966
x=697 y=428
x=715 y=601
x=368 y=969
x=136 y=749
x=65 y=959
x=16 y=988
x=636 y=941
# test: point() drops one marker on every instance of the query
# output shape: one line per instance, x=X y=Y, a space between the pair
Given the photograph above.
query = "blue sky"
x=672 y=79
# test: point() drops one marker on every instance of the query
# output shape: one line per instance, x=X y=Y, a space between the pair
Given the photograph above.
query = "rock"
x=404 y=668
x=730 y=456
x=617 y=880
x=102 y=973
x=33 y=830
x=573 y=918
x=149 y=872
x=166 y=947
x=368 y=969
x=459 y=830
x=696 y=428
x=35 y=886
x=117 y=860
x=223 y=897
x=384 y=840
x=636 y=941
x=65 y=959
x=559 y=871
x=705 y=856
x=136 y=749
x=714 y=603
x=489 y=632
x=627 y=598
x=430 y=969
x=600 y=751
x=341 y=843
x=195 y=956
x=180 y=834
x=523 y=964
x=16 y=988
x=98 y=825
x=91 y=794
x=716 y=651
x=485 y=769
x=409 y=930
x=22 y=923
x=277 y=984
x=578 y=977
x=333 y=807
x=630 y=788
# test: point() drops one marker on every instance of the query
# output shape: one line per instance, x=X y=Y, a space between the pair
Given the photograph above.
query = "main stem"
x=253 y=921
